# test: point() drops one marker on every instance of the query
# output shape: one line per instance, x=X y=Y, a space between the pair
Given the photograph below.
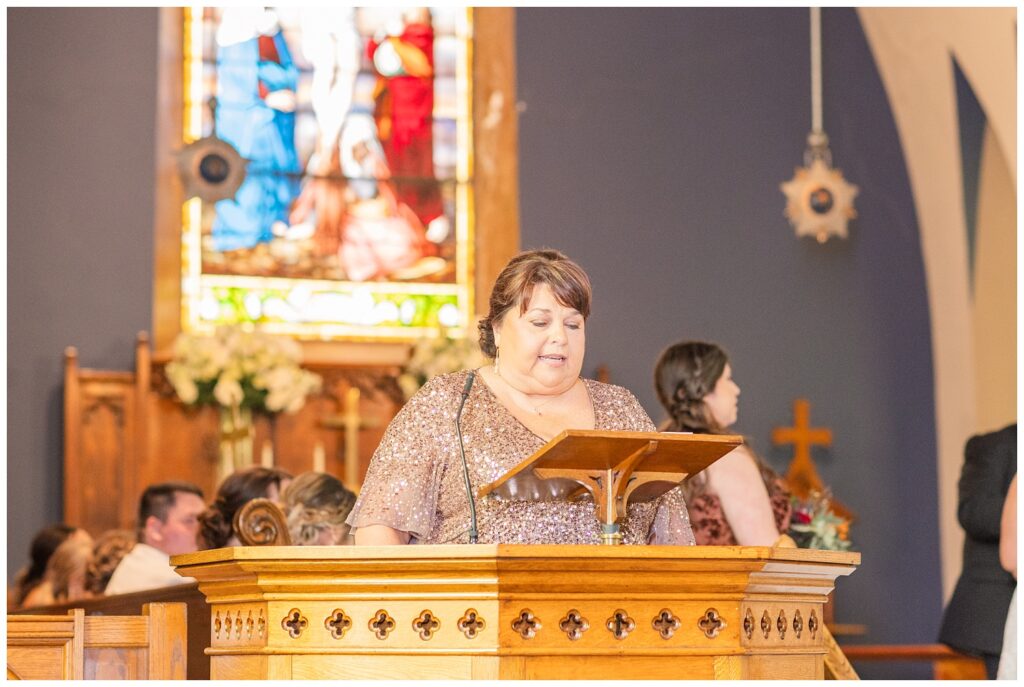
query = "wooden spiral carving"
x=262 y=523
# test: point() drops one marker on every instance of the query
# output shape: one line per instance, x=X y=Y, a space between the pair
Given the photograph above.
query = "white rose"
x=228 y=392
x=182 y=382
x=276 y=400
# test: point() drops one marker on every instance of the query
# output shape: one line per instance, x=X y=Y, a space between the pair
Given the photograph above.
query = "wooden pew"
x=197 y=613
x=74 y=646
x=947 y=664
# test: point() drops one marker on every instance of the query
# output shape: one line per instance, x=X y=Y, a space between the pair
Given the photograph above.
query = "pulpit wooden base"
x=516 y=612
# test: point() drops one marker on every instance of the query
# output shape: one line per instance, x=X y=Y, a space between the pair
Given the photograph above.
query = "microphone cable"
x=473 y=535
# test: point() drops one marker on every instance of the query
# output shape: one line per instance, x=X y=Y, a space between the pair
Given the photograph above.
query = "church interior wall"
x=80 y=158
x=660 y=174
x=651 y=152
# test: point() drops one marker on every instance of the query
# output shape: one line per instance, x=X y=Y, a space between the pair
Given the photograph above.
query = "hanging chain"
x=817 y=140
x=816 y=125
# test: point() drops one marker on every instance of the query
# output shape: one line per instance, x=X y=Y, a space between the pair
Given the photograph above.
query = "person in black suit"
x=974 y=619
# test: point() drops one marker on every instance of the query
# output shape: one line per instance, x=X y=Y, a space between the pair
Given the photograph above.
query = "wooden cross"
x=350 y=422
x=802 y=476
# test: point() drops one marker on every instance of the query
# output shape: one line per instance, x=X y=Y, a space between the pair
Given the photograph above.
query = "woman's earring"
x=496 y=352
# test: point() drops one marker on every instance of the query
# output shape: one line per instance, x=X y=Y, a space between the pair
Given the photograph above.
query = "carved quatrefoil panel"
x=665 y=623
x=620 y=624
x=337 y=623
x=526 y=624
x=573 y=624
x=471 y=624
x=426 y=625
x=381 y=624
x=295 y=623
x=711 y=623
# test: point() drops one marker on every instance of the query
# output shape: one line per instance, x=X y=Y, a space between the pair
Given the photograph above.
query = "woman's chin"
x=556 y=378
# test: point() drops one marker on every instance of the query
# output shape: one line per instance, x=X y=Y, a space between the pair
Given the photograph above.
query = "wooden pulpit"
x=516 y=611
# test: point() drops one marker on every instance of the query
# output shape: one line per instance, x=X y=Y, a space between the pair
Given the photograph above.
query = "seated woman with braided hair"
x=737 y=499
x=316 y=505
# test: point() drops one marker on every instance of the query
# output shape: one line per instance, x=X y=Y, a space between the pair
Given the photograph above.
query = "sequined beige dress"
x=415 y=484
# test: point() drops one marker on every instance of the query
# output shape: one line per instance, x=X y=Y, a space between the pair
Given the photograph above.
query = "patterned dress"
x=415 y=480
x=712 y=529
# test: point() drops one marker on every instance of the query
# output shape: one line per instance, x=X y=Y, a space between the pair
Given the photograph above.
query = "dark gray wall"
x=81 y=107
x=652 y=151
x=652 y=146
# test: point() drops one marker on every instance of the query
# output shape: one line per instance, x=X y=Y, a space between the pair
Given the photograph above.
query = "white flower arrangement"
x=237 y=368
x=439 y=355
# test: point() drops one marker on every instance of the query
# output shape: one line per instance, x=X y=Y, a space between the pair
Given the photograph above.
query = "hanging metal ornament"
x=211 y=168
x=819 y=201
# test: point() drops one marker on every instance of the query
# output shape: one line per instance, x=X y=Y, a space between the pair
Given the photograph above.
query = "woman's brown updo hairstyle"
x=316 y=502
x=567 y=280
x=237 y=489
x=686 y=372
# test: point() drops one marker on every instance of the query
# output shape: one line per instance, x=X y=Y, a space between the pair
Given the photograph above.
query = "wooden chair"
x=151 y=646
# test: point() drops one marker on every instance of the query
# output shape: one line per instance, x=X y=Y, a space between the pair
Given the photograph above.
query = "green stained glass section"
x=356 y=307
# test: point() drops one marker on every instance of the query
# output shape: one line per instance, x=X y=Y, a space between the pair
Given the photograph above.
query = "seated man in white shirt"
x=168 y=525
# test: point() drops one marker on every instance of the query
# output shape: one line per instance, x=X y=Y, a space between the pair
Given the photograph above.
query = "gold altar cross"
x=802 y=476
x=350 y=422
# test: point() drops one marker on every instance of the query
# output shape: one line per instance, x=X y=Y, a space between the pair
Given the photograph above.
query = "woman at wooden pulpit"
x=416 y=488
x=737 y=499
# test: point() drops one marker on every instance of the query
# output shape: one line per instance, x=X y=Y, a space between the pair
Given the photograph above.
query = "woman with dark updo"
x=737 y=499
x=216 y=528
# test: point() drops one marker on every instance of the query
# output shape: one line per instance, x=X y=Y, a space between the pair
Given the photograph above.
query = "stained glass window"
x=343 y=207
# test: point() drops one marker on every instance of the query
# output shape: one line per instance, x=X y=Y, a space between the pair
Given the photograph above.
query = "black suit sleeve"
x=982 y=487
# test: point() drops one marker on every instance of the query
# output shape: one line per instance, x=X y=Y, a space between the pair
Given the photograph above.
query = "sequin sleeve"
x=672 y=522
x=402 y=480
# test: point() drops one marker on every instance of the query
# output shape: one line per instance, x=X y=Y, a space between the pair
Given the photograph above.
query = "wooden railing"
x=947 y=664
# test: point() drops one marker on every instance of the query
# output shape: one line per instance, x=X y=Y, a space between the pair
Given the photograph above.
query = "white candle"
x=319 y=458
x=267 y=455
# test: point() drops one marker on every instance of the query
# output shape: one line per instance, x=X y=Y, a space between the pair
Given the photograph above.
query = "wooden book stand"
x=614 y=467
